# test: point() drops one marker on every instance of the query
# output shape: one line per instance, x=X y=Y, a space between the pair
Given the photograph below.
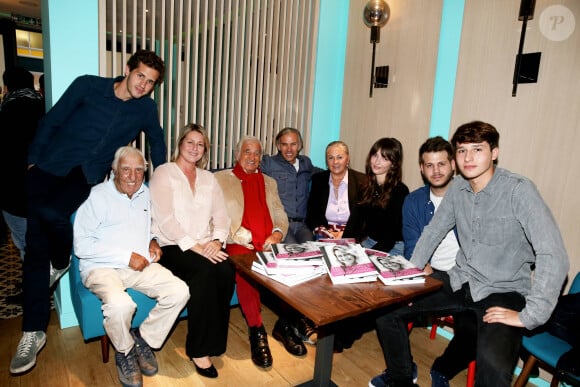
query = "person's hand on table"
x=275 y=237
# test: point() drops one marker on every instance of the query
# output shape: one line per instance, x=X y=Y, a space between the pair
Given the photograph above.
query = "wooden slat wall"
x=237 y=67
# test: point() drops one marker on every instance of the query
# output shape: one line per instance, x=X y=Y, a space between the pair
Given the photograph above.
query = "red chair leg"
x=434 y=324
x=105 y=348
x=471 y=374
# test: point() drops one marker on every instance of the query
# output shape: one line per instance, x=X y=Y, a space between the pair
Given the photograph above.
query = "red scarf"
x=256 y=217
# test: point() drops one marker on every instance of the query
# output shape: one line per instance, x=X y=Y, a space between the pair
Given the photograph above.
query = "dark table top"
x=323 y=302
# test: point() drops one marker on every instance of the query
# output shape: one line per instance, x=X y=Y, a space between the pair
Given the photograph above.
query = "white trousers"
x=118 y=307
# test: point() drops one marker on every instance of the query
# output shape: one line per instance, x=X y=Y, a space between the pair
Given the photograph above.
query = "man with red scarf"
x=258 y=221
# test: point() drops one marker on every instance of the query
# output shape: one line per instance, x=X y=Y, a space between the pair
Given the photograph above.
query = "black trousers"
x=51 y=202
x=211 y=286
x=494 y=346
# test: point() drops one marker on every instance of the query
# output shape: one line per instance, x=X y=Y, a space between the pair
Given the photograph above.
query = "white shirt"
x=109 y=226
x=444 y=256
x=185 y=218
x=337 y=210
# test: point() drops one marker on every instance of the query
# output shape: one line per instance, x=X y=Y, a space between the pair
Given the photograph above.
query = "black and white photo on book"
x=347 y=261
x=296 y=250
x=391 y=267
x=288 y=266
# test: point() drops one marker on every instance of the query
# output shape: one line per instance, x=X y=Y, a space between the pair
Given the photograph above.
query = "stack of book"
x=290 y=264
x=344 y=260
x=347 y=263
x=395 y=269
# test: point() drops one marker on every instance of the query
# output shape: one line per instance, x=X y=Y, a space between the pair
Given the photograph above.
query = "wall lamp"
x=527 y=65
x=375 y=15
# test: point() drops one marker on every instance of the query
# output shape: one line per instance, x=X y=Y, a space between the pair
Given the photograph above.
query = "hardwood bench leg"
x=105 y=348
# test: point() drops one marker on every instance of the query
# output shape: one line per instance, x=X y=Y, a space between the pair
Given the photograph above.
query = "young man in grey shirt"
x=504 y=228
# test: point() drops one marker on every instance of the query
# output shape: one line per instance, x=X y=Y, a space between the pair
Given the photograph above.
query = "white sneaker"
x=55 y=274
x=30 y=344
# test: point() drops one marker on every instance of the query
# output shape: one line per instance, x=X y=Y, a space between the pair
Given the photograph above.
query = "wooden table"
x=325 y=303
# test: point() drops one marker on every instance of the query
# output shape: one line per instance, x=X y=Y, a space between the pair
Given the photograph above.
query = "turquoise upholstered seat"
x=546 y=349
x=87 y=308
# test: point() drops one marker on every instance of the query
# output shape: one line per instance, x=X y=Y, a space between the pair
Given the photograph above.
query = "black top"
x=319 y=191
x=384 y=225
x=18 y=120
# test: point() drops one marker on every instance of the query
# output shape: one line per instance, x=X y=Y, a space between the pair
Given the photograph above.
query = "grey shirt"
x=502 y=230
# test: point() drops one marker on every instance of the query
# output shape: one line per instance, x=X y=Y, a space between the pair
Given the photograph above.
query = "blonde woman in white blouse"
x=190 y=218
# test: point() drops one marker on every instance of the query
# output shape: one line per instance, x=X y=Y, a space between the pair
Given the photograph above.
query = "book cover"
x=296 y=250
x=347 y=261
x=293 y=266
x=289 y=279
x=268 y=259
x=392 y=266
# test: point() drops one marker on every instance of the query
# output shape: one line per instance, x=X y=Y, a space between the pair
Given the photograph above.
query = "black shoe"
x=209 y=372
x=306 y=330
x=261 y=355
x=284 y=333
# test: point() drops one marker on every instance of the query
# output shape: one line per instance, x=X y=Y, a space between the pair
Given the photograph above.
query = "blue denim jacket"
x=418 y=210
x=293 y=187
x=502 y=230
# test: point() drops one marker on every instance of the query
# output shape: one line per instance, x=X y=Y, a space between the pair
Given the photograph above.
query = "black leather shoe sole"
x=209 y=372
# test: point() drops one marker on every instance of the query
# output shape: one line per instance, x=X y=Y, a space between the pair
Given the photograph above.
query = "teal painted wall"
x=447 y=58
x=328 y=77
x=70 y=39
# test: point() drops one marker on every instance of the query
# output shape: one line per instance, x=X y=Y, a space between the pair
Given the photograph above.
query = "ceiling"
x=30 y=8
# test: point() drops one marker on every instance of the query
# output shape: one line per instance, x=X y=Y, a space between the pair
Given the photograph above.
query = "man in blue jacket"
x=72 y=151
x=437 y=169
x=292 y=172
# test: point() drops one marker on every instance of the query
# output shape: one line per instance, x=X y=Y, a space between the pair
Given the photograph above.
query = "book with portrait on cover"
x=348 y=264
x=287 y=266
x=393 y=267
x=296 y=250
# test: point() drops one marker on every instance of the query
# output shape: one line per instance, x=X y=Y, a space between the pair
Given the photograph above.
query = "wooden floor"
x=68 y=361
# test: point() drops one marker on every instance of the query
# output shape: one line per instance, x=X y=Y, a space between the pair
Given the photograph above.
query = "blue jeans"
x=298 y=232
x=494 y=346
x=398 y=248
x=17 y=226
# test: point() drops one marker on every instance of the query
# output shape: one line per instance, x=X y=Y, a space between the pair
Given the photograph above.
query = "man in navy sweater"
x=72 y=151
